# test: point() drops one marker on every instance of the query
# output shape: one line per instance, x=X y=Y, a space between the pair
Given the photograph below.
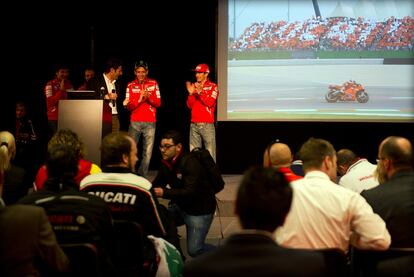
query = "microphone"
x=102 y=92
x=113 y=101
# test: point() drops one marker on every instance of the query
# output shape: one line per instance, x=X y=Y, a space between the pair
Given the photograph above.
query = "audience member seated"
x=396 y=262
x=14 y=186
x=325 y=215
x=128 y=195
x=355 y=173
x=27 y=239
x=279 y=156
x=28 y=243
x=393 y=199
x=253 y=251
x=76 y=217
x=85 y=167
x=84 y=259
x=297 y=165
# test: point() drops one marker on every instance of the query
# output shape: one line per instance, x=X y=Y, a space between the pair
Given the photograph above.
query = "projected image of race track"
x=297 y=89
x=318 y=60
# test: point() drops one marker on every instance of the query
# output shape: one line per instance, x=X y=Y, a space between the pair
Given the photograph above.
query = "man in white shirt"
x=325 y=215
x=107 y=88
x=357 y=174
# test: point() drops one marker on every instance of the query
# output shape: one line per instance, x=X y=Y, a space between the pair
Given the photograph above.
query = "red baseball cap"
x=202 y=68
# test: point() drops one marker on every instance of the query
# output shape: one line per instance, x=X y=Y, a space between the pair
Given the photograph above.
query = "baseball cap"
x=141 y=63
x=202 y=68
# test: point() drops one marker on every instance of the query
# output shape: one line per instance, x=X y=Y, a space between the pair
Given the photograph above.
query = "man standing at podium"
x=106 y=87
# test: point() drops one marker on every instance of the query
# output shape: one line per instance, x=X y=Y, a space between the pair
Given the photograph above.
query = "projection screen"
x=320 y=60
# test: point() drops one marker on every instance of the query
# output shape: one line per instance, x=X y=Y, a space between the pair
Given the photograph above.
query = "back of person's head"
x=114 y=147
x=263 y=199
x=278 y=155
x=62 y=162
x=68 y=137
x=176 y=136
x=7 y=149
x=397 y=149
x=314 y=151
x=345 y=158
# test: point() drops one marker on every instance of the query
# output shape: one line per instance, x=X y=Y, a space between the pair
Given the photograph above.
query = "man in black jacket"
x=182 y=179
x=76 y=217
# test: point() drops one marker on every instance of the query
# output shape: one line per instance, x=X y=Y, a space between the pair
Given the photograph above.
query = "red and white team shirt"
x=203 y=105
x=53 y=95
x=145 y=109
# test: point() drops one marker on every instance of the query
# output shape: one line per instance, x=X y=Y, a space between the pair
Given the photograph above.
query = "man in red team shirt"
x=142 y=100
x=55 y=90
x=202 y=100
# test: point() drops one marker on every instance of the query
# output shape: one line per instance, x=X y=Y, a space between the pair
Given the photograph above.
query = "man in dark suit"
x=263 y=201
x=107 y=87
x=27 y=238
x=393 y=199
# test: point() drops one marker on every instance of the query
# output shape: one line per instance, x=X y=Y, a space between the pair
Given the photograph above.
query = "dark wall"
x=173 y=36
x=241 y=144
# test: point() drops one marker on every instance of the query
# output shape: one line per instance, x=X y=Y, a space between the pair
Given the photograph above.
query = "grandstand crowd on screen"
x=335 y=33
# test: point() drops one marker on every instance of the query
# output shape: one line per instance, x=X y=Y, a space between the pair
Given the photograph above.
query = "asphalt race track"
x=297 y=92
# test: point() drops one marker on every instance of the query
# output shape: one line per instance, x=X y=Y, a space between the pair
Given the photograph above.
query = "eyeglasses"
x=166 y=146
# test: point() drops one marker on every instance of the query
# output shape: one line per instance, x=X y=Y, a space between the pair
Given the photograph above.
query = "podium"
x=87 y=119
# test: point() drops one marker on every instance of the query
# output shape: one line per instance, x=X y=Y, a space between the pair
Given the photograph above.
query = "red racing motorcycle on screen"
x=348 y=91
